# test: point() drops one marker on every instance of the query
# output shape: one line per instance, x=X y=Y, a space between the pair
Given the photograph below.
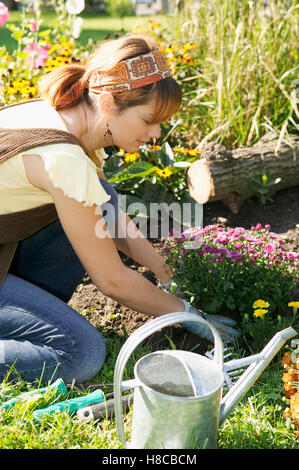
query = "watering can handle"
x=137 y=337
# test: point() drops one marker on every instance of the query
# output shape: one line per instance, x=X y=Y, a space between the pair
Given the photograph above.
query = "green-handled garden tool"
x=72 y=405
x=58 y=387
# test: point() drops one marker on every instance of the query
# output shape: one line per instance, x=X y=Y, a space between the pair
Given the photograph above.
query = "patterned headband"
x=132 y=73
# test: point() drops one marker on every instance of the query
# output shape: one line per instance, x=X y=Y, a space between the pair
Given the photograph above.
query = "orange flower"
x=288 y=387
x=290 y=393
x=288 y=377
x=287 y=413
x=286 y=358
x=295 y=403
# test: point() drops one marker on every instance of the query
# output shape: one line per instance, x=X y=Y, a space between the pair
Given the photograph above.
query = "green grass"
x=95 y=26
x=244 y=83
x=255 y=423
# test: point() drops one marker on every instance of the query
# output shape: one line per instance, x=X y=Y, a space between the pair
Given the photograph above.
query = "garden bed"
x=109 y=316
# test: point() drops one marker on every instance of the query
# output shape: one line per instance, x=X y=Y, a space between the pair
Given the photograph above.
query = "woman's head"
x=66 y=86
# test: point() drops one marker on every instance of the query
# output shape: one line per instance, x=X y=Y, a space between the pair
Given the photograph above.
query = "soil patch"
x=109 y=316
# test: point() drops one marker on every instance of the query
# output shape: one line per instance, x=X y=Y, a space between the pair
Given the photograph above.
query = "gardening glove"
x=171 y=287
x=224 y=325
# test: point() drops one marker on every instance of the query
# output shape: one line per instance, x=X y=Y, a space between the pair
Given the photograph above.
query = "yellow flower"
x=193 y=152
x=293 y=304
x=131 y=157
x=155 y=147
x=54 y=48
x=165 y=173
x=260 y=312
x=260 y=304
x=154 y=24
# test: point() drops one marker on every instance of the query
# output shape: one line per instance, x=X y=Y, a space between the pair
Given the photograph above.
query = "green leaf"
x=230 y=303
x=137 y=171
x=153 y=192
x=214 y=306
x=166 y=155
x=227 y=285
x=134 y=206
x=182 y=164
x=139 y=167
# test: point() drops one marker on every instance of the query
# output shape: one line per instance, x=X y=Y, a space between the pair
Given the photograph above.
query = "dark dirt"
x=109 y=316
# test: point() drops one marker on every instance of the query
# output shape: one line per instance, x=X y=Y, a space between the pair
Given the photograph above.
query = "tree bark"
x=224 y=175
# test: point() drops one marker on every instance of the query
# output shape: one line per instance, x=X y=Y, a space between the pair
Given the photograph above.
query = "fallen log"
x=226 y=176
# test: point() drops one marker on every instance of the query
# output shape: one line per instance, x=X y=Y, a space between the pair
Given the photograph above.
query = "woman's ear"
x=106 y=103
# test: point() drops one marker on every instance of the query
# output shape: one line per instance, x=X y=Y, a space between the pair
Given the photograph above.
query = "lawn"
x=95 y=26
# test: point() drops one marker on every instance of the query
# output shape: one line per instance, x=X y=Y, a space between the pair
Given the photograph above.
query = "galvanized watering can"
x=178 y=394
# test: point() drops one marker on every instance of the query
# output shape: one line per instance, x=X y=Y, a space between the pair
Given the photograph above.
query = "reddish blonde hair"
x=65 y=86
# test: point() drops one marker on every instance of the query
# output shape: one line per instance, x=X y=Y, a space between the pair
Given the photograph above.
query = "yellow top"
x=69 y=168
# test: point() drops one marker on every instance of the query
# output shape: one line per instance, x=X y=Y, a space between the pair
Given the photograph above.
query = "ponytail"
x=63 y=87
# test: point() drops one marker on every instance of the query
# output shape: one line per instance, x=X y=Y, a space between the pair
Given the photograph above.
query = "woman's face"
x=131 y=128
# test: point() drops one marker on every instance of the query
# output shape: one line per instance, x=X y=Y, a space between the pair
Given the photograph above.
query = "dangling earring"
x=108 y=133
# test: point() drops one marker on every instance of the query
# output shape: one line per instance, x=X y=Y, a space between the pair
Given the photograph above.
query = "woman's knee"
x=87 y=360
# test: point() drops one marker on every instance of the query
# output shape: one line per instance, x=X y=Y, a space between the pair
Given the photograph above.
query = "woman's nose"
x=155 y=131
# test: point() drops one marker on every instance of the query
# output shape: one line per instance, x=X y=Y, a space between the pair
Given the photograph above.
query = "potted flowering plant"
x=220 y=269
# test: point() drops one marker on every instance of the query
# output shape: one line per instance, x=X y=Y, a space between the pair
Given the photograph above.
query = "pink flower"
x=272 y=235
x=267 y=226
x=258 y=226
x=192 y=231
x=239 y=230
x=249 y=238
x=37 y=55
x=239 y=245
x=4 y=13
x=269 y=248
x=222 y=238
x=33 y=24
x=208 y=228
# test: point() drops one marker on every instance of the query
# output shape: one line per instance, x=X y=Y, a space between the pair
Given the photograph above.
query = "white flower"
x=77 y=27
x=74 y=7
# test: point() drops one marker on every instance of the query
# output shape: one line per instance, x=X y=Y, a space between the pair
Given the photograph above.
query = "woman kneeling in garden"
x=55 y=209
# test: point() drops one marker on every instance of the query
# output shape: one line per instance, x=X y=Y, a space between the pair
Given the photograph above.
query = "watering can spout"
x=258 y=363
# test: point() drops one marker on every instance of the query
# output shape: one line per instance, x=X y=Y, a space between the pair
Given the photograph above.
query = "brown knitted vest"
x=17 y=226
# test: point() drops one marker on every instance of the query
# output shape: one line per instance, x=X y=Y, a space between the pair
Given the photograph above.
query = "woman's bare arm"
x=96 y=250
